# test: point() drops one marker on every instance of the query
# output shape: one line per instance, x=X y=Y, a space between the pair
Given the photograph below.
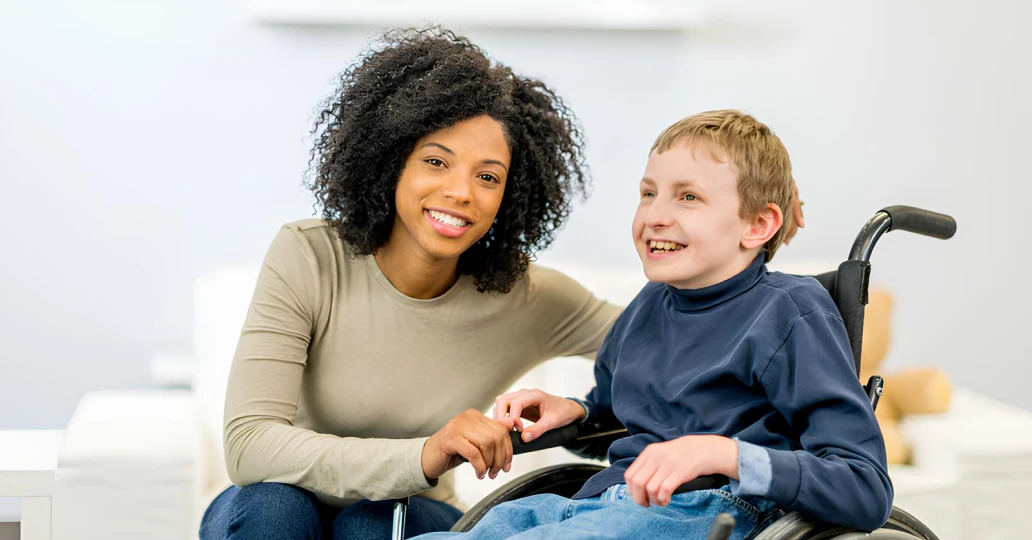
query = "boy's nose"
x=659 y=215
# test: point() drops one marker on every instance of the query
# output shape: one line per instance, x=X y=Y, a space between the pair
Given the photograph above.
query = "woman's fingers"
x=471 y=453
x=491 y=439
x=502 y=448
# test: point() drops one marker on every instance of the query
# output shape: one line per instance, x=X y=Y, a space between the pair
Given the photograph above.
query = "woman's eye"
x=688 y=197
x=489 y=178
x=434 y=162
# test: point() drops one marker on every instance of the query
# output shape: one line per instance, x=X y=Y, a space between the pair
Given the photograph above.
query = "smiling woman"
x=447 y=199
x=376 y=333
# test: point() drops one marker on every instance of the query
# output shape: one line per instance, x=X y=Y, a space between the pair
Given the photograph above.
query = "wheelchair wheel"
x=795 y=526
x=564 y=480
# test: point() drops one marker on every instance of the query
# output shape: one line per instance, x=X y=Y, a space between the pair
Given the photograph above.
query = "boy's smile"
x=687 y=229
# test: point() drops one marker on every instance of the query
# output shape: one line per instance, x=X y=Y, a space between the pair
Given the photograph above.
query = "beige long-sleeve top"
x=338 y=378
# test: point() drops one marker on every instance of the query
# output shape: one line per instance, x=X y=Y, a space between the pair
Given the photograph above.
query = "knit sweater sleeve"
x=570 y=320
x=262 y=444
x=840 y=474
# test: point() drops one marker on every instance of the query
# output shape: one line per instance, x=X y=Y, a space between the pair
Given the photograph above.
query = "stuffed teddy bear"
x=911 y=391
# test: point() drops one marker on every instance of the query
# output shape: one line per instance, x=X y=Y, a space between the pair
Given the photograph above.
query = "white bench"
x=28 y=461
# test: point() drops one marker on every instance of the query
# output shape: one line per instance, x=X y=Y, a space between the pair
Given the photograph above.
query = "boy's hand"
x=545 y=410
x=662 y=467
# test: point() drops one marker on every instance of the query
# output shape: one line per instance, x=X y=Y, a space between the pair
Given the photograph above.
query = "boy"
x=716 y=367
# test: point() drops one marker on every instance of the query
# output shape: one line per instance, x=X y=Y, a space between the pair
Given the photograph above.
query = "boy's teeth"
x=448 y=219
x=665 y=246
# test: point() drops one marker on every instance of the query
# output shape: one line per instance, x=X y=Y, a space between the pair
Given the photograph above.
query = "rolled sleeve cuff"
x=755 y=473
x=587 y=411
x=417 y=479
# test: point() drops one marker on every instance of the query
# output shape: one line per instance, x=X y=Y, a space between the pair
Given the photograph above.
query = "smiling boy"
x=717 y=367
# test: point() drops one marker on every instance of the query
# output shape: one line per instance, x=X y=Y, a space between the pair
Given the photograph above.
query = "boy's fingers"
x=666 y=492
x=636 y=487
x=515 y=408
x=652 y=488
x=501 y=407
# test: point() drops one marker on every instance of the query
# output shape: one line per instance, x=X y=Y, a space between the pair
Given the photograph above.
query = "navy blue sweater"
x=764 y=358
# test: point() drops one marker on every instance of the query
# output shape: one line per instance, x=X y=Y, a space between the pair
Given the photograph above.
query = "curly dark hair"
x=417 y=82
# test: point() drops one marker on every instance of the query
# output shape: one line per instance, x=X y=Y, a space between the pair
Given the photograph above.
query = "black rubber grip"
x=549 y=439
x=712 y=481
x=917 y=220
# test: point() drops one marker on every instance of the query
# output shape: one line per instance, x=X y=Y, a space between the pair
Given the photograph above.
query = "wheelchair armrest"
x=565 y=436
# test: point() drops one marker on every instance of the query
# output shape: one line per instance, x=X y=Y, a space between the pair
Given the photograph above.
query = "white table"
x=28 y=460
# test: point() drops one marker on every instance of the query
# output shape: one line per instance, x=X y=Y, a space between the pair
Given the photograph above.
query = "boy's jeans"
x=614 y=514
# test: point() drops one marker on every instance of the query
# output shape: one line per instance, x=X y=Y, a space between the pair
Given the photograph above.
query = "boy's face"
x=687 y=230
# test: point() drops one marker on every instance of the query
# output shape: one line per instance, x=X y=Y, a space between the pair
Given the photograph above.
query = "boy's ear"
x=762 y=227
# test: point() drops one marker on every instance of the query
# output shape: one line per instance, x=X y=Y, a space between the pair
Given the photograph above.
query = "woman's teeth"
x=664 y=246
x=448 y=219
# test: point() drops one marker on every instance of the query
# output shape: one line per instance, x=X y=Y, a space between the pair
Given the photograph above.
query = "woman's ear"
x=763 y=226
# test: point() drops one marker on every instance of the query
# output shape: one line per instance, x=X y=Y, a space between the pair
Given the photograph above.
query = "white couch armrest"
x=130 y=467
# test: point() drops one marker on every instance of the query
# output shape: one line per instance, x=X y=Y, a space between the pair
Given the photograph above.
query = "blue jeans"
x=614 y=514
x=272 y=511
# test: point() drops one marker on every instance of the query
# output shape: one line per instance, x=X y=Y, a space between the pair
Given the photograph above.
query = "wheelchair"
x=848 y=287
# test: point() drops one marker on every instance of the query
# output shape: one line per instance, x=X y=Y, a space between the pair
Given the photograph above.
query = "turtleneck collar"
x=707 y=297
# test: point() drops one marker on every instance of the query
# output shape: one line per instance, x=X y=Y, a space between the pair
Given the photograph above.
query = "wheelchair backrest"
x=848 y=287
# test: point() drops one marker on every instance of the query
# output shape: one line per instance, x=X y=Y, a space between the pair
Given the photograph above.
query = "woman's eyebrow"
x=495 y=162
x=449 y=150
x=441 y=146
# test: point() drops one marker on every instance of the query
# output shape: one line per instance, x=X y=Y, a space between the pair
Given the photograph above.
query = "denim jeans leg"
x=513 y=517
x=615 y=515
x=373 y=520
x=268 y=511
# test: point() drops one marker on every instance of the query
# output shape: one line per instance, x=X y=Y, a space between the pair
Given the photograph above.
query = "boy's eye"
x=688 y=197
x=647 y=194
x=434 y=162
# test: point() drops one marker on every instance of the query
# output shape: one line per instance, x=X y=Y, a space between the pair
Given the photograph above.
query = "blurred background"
x=146 y=145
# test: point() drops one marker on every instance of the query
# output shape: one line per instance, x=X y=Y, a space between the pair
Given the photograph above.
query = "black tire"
x=795 y=526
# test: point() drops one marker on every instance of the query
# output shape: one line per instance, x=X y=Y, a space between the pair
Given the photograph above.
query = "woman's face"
x=450 y=189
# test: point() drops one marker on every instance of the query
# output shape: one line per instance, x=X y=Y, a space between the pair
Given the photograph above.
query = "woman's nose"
x=457 y=188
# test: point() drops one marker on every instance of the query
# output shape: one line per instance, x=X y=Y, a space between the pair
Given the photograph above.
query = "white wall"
x=143 y=144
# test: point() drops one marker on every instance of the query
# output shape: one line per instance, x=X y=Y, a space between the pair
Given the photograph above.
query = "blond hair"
x=757 y=155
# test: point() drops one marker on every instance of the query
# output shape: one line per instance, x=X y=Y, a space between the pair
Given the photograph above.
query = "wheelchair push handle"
x=920 y=221
x=904 y=218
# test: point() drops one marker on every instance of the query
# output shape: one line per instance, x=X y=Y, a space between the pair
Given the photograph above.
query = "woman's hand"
x=547 y=411
x=797 y=213
x=472 y=437
x=662 y=467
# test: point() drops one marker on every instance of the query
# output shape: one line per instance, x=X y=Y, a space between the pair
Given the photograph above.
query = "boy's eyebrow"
x=678 y=184
x=449 y=150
